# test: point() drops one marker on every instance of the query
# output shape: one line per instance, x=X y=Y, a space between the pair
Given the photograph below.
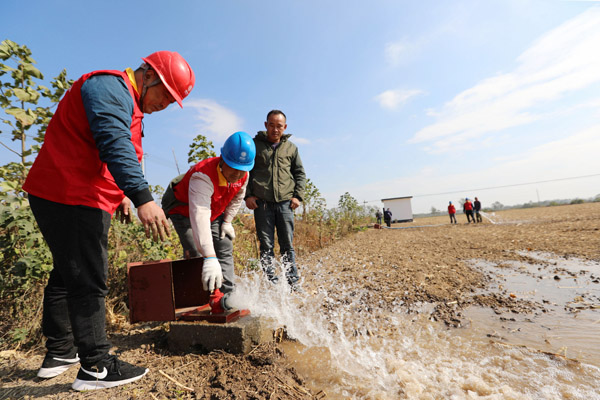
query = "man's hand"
x=227 y=229
x=153 y=218
x=124 y=213
x=294 y=203
x=251 y=202
x=212 y=276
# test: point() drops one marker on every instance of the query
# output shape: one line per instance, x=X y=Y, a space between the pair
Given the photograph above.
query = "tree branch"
x=10 y=149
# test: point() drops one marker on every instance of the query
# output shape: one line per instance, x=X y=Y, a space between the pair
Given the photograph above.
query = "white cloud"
x=215 y=119
x=300 y=140
x=396 y=52
x=563 y=61
x=569 y=156
x=392 y=99
x=572 y=156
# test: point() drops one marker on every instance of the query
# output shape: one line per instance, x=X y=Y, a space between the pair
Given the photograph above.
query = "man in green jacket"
x=275 y=190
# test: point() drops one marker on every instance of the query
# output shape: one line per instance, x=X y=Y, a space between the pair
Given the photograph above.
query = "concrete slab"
x=238 y=337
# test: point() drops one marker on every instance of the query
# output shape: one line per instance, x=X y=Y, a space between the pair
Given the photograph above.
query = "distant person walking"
x=452 y=212
x=477 y=209
x=468 y=210
x=387 y=217
x=378 y=215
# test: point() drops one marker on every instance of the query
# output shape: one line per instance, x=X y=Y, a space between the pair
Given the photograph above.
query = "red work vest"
x=68 y=169
x=468 y=206
x=221 y=197
x=451 y=209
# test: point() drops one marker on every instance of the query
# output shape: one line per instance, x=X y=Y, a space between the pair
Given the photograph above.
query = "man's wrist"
x=141 y=197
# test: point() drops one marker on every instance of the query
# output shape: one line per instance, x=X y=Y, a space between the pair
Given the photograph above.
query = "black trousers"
x=74 y=309
x=469 y=214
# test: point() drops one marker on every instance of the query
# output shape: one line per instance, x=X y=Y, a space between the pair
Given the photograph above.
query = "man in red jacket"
x=88 y=166
x=468 y=210
x=452 y=212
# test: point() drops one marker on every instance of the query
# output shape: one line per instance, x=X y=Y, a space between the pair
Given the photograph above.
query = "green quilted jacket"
x=278 y=175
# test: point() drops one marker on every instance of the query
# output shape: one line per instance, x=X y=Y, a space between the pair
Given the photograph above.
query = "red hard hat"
x=174 y=72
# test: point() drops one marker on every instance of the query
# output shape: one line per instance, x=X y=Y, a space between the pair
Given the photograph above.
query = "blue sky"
x=384 y=98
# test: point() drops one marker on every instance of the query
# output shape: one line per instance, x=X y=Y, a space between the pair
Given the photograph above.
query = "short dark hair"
x=274 y=112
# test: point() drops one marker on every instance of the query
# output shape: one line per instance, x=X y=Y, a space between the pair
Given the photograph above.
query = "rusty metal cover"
x=150 y=292
x=170 y=290
x=158 y=288
x=187 y=283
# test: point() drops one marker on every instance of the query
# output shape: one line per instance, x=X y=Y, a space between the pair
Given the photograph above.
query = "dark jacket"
x=387 y=215
x=278 y=174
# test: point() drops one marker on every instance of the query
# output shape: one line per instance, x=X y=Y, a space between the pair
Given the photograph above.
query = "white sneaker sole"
x=56 y=371
x=80 y=385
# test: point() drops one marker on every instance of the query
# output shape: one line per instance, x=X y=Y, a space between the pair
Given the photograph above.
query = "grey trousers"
x=223 y=247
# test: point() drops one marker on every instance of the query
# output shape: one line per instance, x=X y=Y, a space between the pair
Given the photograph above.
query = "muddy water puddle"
x=567 y=321
x=345 y=354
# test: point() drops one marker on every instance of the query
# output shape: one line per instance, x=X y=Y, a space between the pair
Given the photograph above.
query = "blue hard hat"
x=238 y=151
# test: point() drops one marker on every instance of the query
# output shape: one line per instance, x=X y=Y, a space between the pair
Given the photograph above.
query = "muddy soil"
x=422 y=262
x=427 y=260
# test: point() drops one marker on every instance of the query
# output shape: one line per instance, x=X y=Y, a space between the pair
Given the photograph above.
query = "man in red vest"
x=202 y=205
x=452 y=212
x=468 y=210
x=88 y=167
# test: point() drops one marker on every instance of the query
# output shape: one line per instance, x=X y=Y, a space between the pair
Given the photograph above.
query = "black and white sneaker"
x=54 y=366
x=108 y=373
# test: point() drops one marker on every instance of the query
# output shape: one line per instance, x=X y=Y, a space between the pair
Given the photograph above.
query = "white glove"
x=227 y=229
x=212 y=276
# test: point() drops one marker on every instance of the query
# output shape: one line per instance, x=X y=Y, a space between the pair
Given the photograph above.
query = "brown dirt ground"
x=415 y=265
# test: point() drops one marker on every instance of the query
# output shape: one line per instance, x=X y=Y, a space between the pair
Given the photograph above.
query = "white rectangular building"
x=400 y=207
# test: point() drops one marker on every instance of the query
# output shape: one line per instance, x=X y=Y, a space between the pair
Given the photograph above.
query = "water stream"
x=391 y=355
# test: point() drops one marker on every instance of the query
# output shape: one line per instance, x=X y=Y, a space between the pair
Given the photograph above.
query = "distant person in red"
x=468 y=210
x=477 y=209
x=452 y=212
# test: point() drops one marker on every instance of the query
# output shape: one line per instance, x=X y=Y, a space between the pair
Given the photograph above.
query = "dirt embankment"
x=388 y=268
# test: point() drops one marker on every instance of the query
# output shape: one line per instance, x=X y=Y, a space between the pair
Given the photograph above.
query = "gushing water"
x=353 y=350
x=488 y=216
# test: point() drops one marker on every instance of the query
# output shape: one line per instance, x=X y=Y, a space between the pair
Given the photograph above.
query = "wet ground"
x=500 y=310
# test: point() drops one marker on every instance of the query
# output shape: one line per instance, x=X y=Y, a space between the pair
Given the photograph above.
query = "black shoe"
x=108 y=373
x=54 y=366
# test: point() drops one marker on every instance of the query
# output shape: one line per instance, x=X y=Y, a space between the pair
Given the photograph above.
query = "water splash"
x=356 y=350
x=488 y=216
